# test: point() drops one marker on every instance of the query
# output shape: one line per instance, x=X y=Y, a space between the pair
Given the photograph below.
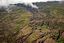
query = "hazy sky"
x=29 y=1
x=6 y=2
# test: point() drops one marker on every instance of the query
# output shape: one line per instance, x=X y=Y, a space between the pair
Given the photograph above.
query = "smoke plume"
x=7 y=2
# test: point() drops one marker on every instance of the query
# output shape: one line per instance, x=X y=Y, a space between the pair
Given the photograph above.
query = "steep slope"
x=11 y=23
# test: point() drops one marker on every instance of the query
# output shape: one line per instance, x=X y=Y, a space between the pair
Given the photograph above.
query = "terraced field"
x=43 y=25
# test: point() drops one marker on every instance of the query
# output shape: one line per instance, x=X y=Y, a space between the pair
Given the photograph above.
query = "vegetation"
x=43 y=25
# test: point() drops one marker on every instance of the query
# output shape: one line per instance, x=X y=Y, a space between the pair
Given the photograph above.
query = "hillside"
x=20 y=23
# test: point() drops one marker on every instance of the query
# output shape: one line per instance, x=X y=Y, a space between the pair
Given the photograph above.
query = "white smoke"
x=3 y=3
x=7 y=2
x=31 y=4
x=34 y=6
